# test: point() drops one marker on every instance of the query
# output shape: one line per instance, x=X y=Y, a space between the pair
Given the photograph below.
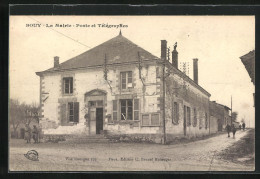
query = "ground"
x=210 y=154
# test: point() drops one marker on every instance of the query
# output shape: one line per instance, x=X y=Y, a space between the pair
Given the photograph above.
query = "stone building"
x=117 y=89
x=219 y=117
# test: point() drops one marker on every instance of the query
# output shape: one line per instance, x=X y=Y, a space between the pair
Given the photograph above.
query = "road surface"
x=195 y=156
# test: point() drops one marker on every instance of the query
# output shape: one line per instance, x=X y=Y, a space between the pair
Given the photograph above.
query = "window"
x=188 y=116
x=68 y=85
x=126 y=109
x=195 y=118
x=152 y=119
x=184 y=115
x=126 y=80
x=114 y=110
x=73 y=112
x=136 y=109
x=206 y=120
x=175 y=113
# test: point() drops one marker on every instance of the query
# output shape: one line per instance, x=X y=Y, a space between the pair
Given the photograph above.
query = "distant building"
x=249 y=62
x=219 y=116
x=116 y=88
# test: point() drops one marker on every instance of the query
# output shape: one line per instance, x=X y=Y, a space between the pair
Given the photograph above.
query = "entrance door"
x=219 y=125
x=99 y=120
x=184 y=120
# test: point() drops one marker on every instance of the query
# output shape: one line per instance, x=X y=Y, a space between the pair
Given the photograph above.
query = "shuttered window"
x=195 y=118
x=175 y=113
x=115 y=110
x=73 y=111
x=136 y=109
x=63 y=114
x=151 y=119
x=188 y=116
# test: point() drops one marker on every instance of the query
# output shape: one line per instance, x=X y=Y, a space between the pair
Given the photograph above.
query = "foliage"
x=22 y=113
x=234 y=116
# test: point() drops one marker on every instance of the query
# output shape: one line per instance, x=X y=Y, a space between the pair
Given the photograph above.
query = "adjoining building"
x=219 y=117
x=118 y=88
x=249 y=62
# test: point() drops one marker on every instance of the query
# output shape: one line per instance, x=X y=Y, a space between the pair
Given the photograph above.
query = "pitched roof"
x=117 y=50
x=249 y=62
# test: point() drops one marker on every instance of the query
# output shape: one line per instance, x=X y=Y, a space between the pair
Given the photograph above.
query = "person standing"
x=233 y=128
x=35 y=134
x=27 y=135
x=228 y=128
x=244 y=126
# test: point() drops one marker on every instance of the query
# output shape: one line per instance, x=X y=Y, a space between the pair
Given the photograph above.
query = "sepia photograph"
x=131 y=93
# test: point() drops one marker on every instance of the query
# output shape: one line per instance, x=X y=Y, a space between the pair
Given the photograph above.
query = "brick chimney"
x=56 y=62
x=175 y=56
x=163 y=49
x=195 y=70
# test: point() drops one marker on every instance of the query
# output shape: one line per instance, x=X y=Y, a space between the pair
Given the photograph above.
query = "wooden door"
x=92 y=126
x=99 y=120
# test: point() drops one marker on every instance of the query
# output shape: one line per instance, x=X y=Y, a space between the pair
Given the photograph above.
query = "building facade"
x=118 y=88
x=219 y=117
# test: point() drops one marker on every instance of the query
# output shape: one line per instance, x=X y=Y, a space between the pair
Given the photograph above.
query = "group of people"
x=233 y=129
x=31 y=133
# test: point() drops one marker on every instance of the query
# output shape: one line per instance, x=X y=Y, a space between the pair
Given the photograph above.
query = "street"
x=201 y=155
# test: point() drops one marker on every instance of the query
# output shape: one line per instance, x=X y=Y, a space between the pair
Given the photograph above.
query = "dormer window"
x=68 y=85
x=126 y=80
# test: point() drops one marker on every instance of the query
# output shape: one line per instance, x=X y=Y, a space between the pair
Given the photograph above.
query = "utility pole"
x=231 y=111
x=164 y=131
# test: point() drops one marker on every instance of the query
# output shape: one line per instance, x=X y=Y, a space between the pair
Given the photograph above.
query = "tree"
x=31 y=112
x=234 y=116
x=16 y=114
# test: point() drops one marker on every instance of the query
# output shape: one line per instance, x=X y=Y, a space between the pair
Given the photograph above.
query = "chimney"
x=163 y=49
x=56 y=62
x=175 y=56
x=195 y=70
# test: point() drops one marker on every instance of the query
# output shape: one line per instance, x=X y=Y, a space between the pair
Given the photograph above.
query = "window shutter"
x=63 y=114
x=115 y=110
x=71 y=85
x=76 y=111
x=136 y=109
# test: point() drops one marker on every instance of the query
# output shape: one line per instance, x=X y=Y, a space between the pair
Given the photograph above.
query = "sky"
x=217 y=41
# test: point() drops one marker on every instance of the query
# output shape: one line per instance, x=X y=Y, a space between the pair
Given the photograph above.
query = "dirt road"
x=195 y=156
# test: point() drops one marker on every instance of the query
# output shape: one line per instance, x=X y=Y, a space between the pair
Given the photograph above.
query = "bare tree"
x=16 y=114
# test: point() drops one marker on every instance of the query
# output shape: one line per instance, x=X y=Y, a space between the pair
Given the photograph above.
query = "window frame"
x=127 y=79
x=150 y=119
x=206 y=120
x=175 y=113
x=188 y=112
x=195 y=117
x=126 y=110
x=71 y=85
x=73 y=111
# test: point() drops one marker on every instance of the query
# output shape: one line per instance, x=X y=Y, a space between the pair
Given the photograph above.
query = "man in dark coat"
x=228 y=128
x=233 y=128
x=244 y=126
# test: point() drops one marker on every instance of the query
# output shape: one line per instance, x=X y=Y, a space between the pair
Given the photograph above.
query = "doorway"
x=99 y=120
